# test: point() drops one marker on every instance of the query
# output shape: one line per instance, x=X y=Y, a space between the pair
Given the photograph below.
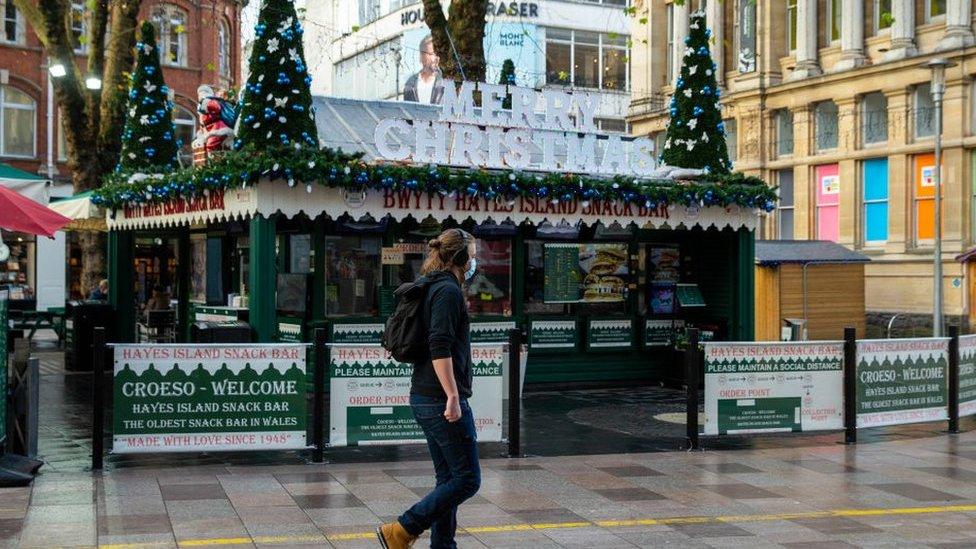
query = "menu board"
x=587 y=273
x=562 y=274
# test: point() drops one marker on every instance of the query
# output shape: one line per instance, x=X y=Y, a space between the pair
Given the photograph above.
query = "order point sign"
x=193 y=398
x=773 y=387
x=369 y=399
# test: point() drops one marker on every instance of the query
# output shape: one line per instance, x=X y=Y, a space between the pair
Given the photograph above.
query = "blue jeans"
x=454 y=450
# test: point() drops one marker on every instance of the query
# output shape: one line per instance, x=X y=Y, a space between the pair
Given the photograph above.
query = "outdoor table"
x=34 y=320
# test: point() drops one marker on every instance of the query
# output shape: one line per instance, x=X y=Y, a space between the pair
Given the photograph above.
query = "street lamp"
x=938 y=67
x=93 y=82
x=57 y=70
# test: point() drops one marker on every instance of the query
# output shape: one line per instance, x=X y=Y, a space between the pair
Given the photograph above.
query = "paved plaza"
x=919 y=492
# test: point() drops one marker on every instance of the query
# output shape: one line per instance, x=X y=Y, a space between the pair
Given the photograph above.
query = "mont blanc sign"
x=548 y=130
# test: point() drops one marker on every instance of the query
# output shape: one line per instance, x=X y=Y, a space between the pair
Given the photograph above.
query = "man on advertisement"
x=426 y=85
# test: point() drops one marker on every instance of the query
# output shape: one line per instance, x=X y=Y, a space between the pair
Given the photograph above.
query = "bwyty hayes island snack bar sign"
x=215 y=205
x=193 y=398
x=369 y=399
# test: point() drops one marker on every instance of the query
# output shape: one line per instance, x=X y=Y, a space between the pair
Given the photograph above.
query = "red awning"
x=21 y=214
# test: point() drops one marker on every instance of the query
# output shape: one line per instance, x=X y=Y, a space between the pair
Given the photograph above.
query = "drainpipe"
x=51 y=169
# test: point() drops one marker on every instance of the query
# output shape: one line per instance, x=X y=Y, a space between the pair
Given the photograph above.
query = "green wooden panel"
x=261 y=294
x=604 y=366
x=121 y=295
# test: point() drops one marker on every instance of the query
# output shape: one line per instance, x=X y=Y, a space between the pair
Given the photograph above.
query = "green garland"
x=333 y=168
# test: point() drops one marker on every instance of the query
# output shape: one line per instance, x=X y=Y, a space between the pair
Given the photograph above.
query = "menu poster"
x=562 y=273
x=590 y=273
x=665 y=262
x=604 y=268
x=662 y=298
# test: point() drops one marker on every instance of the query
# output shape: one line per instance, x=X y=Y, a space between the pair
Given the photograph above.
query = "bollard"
x=514 y=393
x=692 y=376
x=850 y=386
x=318 y=395
x=953 y=379
x=98 y=399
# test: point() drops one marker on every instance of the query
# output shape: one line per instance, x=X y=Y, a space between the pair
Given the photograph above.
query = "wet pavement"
x=903 y=493
x=602 y=471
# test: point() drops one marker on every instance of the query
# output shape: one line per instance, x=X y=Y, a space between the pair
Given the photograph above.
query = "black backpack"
x=405 y=335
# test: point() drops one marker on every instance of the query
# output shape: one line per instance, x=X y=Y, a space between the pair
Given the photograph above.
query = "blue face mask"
x=470 y=272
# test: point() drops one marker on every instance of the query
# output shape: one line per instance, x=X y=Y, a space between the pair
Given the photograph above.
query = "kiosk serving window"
x=490 y=291
x=352 y=274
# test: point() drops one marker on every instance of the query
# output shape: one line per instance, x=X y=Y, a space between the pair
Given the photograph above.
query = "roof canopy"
x=778 y=252
x=27 y=184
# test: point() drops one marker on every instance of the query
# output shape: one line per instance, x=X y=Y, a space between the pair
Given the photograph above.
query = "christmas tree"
x=148 y=141
x=276 y=107
x=507 y=79
x=696 y=134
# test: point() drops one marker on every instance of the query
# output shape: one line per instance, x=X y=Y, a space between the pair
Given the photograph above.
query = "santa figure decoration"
x=217 y=118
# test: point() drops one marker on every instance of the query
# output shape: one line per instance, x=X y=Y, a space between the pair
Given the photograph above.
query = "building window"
x=874 y=118
x=616 y=125
x=731 y=137
x=825 y=125
x=791 y=24
x=62 y=139
x=925 y=197
x=672 y=70
x=185 y=124
x=784 y=132
x=223 y=50
x=489 y=292
x=659 y=139
x=827 y=196
x=882 y=15
x=875 y=196
x=587 y=59
x=12 y=24
x=934 y=9
x=369 y=11
x=835 y=18
x=924 y=111
x=784 y=211
x=170 y=22
x=78 y=27
x=17 y=127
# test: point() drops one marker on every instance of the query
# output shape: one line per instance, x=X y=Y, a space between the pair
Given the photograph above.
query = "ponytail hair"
x=448 y=250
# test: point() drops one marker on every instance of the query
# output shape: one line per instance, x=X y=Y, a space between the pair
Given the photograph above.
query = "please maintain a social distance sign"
x=192 y=398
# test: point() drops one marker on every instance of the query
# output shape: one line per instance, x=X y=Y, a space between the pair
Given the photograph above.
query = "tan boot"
x=394 y=536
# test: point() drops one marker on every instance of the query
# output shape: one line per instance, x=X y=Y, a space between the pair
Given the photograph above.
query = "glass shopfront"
x=17 y=271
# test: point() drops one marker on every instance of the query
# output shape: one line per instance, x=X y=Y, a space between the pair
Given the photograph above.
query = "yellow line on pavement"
x=622 y=523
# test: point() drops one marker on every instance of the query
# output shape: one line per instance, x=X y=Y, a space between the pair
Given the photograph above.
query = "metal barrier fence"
x=208 y=397
x=792 y=387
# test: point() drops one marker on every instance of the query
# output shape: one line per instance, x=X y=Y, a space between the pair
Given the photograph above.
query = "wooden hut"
x=818 y=282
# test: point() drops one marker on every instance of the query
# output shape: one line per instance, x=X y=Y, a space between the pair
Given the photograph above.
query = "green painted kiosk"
x=604 y=288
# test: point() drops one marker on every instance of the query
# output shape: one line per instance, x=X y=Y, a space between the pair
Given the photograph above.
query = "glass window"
x=79 y=27
x=925 y=198
x=672 y=70
x=934 y=8
x=369 y=11
x=825 y=122
x=185 y=124
x=882 y=15
x=490 y=290
x=731 y=139
x=874 y=118
x=170 y=22
x=12 y=25
x=835 y=16
x=784 y=212
x=587 y=59
x=660 y=138
x=791 y=23
x=223 y=50
x=352 y=274
x=784 y=132
x=618 y=125
x=17 y=131
x=875 y=176
x=827 y=195
x=924 y=111
x=535 y=279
